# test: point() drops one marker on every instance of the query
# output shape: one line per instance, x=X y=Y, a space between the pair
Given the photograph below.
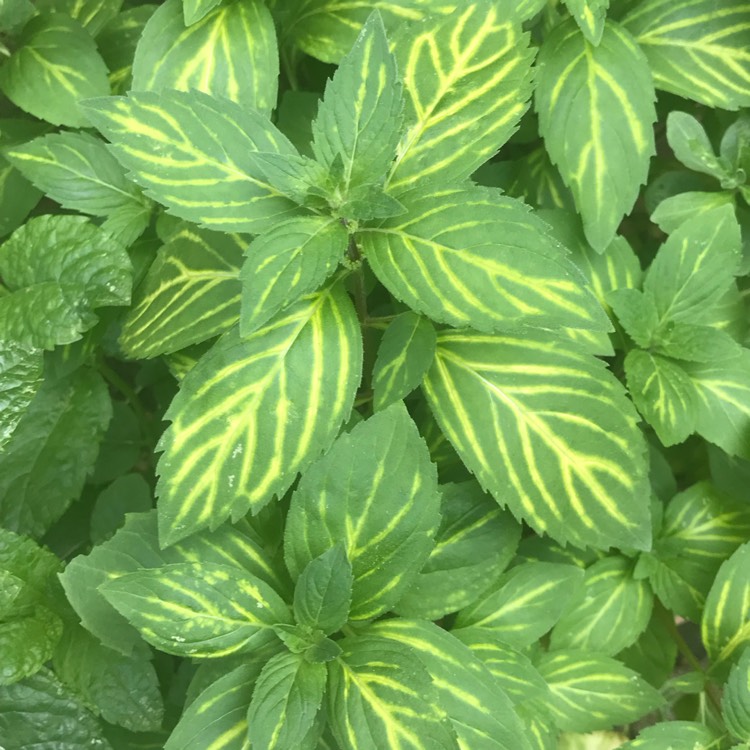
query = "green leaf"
x=470 y=256
x=675 y=210
x=725 y=626
x=548 y=430
x=230 y=52
x=696 y=343
x=54 y=67
x=129 y=493
x=591 y=692
x=380 y=695
x=637 y=313
x=20 y=378
x=483 y=717
x=54 y=446
x=467 y=78
x=474 y=543
x=673 y=734
x=217 y=718
x=654 y=654
x=291 y=260
x=190 y=294
x=596 y=111
x=375 y=492
x=404 y=356
x=590 y=16
x=27 y=642
x=91 y=14
x=359 y=120
x=57 y=270
x=17 y=197
x=197 y=609
x=691 y=145
x=170 y=143
x=285 y=703
x=735 y=702
x=323 y=593
x=608 y=612
x=525 y=603
x=39 y=712
x=194 y=10
x=696 y=50
x=77 y=171
x=252 y=414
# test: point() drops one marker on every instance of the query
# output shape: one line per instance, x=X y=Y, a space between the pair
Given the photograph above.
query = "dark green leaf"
x=735 y=703
x=20 y=378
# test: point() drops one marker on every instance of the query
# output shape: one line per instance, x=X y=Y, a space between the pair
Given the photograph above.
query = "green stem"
x=368 y=344
x=289 y=69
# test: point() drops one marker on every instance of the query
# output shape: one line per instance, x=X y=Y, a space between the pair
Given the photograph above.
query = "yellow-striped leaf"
x=482 y=715
x=230 y=52
x=592 y=692
x=468 y=82
x=590 y=16
x=190 y=294
x=380 y=695
x=725 y=628
x=472 y=257
x=608 y=612
x=285 y=703
x=194 y=154
x=525 y=603
x=404 y=355
x=91 y=14
x=217 y=718
x=252 y=414
x=596 y=111
x=697 y=49
x=548 y=430
x=675 y=734
x=291 y=260
x=200 y=609
x=376 y=492
x=735 y=703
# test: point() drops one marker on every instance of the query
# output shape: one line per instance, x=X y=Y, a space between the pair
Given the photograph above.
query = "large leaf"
x=468 y=81
x=697 y=50
x=230 y=52
x=252 y=414
x=190 y=294
x=376 y=492
x=548 y=430
x=20 y=378
x=195 y=154
x=596 y=111
x=55 y=66
x=470 y=256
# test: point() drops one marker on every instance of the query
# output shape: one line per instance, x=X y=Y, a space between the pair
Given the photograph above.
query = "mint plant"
x=374 y=375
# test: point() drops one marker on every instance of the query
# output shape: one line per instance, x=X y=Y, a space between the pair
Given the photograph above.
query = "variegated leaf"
x=590 y=16
x=252 y=414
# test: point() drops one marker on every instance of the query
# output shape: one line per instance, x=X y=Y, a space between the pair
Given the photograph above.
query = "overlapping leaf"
x=252 y=414
x=548 y=430
x=735 y=703
x=469 y=256
x=596 y=112
x=697 y=50
x=91 y=14
x=590 y=16
x=230 y=52
x=20 y=377
x=467 y=78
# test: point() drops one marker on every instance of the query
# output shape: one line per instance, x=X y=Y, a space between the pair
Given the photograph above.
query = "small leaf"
x=590 y=16
x=92 y=14
x=691 y=145
x=677 y=209
x=27 y=643
x=735 y=702
x=637 y=313
x=194 y=10
x=666 y=734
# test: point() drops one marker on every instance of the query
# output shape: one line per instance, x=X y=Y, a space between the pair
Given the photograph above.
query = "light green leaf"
x=674 y=735
x=285 y=703
x=27 y=642
x=54 y=67
x=217 y=718
x=20 y=378
x=590 y=16
x=474 y=543
x=637 y=313
x=404 y=355
x=677 y=209
x=194 y=10
x=735 y=702
x=170 y=143
x=596 y=111
x=697 y=50
x=470 y=256
x=696 y=343
x=483 y=717
x=467 y=78
x=548 y=430
x=91 y=14
x=191 y=293
x=291 y=260
x=203 y=610
x=591 y=692
x=380 y=695
x=608 y=612
x=375 y=492
x=252 y=414
x=691 y=145
x=359 y=120
x=230 y=52
x=324 y=591
x=725 y=627
x=525 y=603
